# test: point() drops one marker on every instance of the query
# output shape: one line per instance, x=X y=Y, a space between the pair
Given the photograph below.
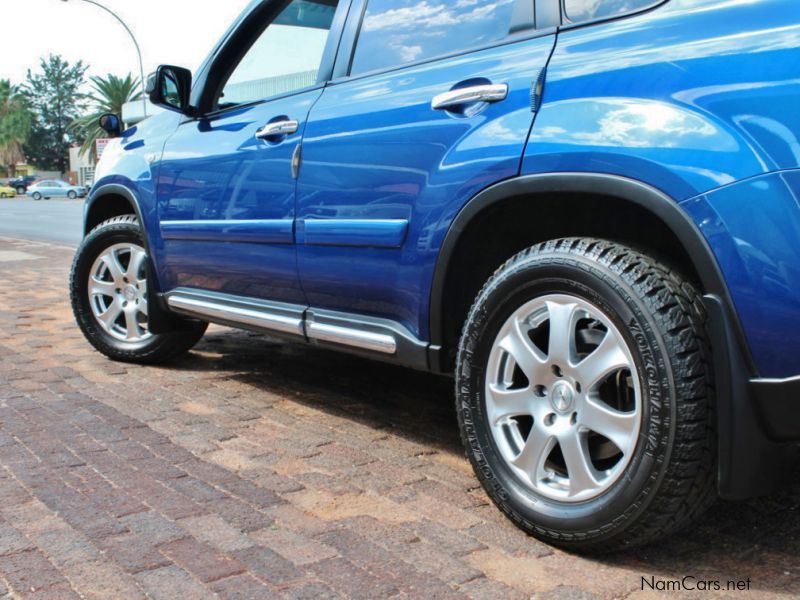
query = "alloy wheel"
x=118 y=292
x=563 y=398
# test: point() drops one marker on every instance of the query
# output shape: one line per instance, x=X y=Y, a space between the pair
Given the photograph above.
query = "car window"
x=586 y=10
x=397 y=32
x=286 y=57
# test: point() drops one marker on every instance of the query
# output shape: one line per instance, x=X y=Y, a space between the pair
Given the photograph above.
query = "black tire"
x=158 y=348
x=670 y=479
x=72 y=195
x=20 y=190
x=3 y=195
x=36 y=196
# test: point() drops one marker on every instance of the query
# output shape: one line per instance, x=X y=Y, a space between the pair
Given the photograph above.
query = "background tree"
x=108 y=95
x=15 y=126
x=56 y=99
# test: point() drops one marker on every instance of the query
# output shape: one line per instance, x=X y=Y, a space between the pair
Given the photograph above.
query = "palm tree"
x=108 y=95
x=15 y=125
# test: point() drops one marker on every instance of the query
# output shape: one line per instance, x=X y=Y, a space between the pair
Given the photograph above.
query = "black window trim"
x=344 y=60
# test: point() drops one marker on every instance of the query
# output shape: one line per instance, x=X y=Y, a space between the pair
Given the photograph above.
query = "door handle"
x=493 y=92
x=278 y=129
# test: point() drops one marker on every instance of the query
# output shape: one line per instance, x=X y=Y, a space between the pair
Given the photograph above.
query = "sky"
x=178 y=32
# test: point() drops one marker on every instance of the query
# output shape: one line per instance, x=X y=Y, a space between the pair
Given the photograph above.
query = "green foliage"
x=55 y=96
x=15 y=125
x=108 y=95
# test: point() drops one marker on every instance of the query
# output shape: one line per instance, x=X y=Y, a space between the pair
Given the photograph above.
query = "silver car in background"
x=52 y=188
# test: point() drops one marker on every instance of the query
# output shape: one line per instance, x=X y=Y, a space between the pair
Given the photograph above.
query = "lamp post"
x=135 y=43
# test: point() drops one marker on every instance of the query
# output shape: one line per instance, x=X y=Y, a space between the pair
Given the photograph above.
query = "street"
x=54 y=220
x=254 y=468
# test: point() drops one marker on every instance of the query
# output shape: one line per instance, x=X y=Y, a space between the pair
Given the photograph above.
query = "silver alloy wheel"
x=563 y=398
x=118 y=292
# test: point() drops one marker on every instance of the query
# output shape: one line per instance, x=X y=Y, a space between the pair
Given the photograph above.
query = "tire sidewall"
x=574 y=275
x=36 y=196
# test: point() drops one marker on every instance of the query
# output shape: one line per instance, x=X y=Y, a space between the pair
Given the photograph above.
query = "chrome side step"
x=230 y=310
x=380 y=338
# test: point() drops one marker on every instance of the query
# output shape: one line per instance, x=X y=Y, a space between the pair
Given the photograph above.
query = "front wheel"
x=36 y=196
x=20 y=190
x=584 y=395
x=111 y=296
x=3 y=195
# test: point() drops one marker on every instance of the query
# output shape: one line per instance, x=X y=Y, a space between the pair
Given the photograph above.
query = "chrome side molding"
x=229 y=310
x=359 y=334
x=365 y=340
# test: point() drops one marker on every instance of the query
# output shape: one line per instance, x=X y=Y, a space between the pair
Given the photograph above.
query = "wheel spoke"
x=582 y=474
x=132 y=331
x=562 y=332
x=533 y=456
x=505 y=403
x=616 y=425
x=109 y=317
x=528 y=357
x=98 y=287
x=604 y=360
x=114 y=267
x=142 y=306
x=135 y=265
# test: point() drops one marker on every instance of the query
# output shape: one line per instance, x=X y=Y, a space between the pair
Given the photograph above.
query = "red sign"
x=100 y=146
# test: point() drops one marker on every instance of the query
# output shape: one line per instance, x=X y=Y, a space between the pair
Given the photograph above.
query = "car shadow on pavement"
x=734 y=540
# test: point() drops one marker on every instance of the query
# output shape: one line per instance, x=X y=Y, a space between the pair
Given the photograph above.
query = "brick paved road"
x=258 y=469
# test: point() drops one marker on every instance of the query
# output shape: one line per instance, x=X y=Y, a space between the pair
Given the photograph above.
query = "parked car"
x=7 y=191
x=20 y=184
x=588 y=217
x=52 y=188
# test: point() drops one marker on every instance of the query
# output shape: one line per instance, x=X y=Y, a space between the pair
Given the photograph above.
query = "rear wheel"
x=3 y=195
x=111 y=298
x=20 y=190
x=584 y=395
x=36 y=196
x=72 y=195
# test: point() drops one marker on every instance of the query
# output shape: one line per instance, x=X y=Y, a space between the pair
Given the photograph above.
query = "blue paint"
x=264 y=231
x=359 y=233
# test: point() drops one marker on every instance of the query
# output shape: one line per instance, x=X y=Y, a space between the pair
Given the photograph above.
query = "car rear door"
x=433 y=103
x=226 y=185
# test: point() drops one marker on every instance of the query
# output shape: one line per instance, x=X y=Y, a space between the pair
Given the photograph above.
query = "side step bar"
x=367 y=336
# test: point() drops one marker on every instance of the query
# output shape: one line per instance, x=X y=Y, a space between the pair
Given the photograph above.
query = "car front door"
x=435 y=104
x=226 y=187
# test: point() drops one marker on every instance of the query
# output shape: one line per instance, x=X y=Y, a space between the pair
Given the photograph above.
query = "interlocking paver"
x=254 y=468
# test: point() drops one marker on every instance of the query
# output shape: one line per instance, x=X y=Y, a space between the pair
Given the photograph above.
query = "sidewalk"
x=253 y=468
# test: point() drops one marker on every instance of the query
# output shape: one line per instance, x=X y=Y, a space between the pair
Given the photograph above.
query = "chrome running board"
x=381 y=338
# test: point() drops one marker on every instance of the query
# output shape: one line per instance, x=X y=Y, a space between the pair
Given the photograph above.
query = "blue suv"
x=587 y=212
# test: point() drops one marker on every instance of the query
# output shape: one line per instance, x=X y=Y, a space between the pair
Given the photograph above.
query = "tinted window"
x=287 y=55
x=586 y=10
x=395 y=32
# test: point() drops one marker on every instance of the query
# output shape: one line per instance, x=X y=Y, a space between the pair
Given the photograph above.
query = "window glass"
x=287 y=55
x=586 y=10
x=396 y=32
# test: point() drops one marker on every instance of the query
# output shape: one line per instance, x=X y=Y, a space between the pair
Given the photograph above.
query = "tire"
x=120 y=295
x=72 y=195
x=20 y=190
x=3 y=195
x=634 y=331
x=36 y=196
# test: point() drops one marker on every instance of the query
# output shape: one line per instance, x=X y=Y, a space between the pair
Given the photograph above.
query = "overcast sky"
x=179 y=32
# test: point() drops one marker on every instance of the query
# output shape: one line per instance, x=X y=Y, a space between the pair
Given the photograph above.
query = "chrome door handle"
x=277 y=129
x=494 y=92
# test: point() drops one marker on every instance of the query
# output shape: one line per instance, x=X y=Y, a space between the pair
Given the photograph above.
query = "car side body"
x=371 y=228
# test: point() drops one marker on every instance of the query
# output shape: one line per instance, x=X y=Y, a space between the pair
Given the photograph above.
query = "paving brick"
x=169 y=583
x=268 y=565
x=242 y=587
x=201 y=560
x=215 y=532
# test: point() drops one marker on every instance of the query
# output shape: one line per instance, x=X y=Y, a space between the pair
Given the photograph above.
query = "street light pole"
x=135 y=43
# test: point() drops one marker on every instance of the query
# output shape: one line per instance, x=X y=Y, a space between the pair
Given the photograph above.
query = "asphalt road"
x=46 y=220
